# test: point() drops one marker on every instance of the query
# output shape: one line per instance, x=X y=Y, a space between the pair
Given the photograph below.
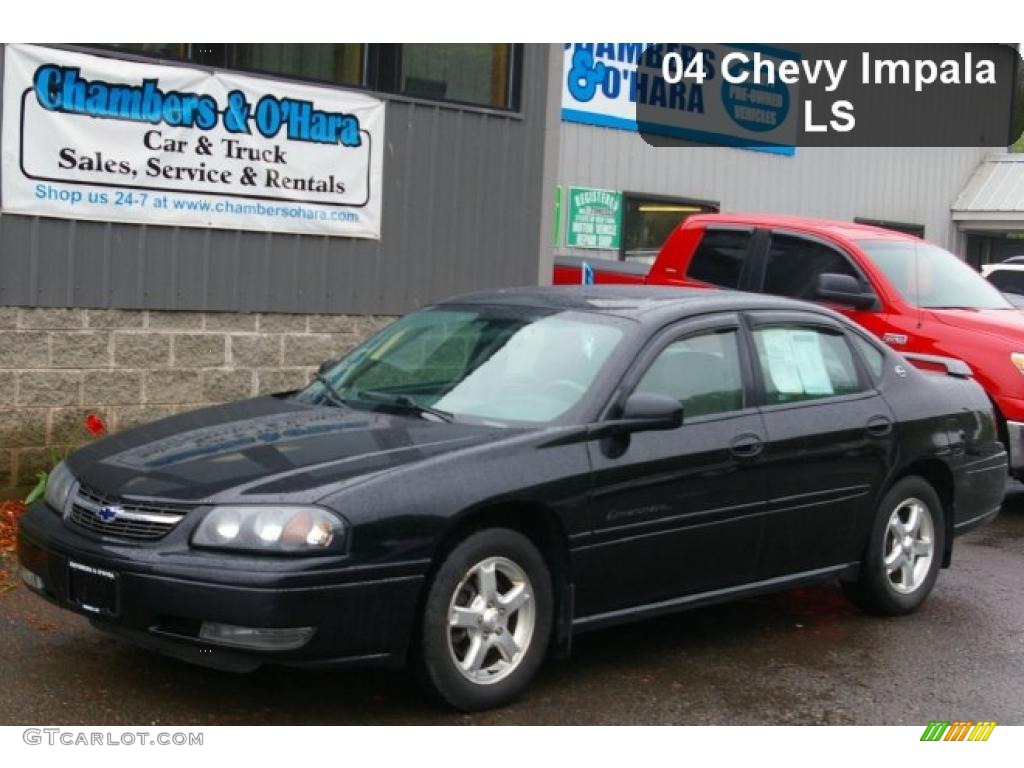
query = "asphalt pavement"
x=800 y=657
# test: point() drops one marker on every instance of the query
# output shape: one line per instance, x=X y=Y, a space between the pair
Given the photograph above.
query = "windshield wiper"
x=332 y=394
x=402 y=401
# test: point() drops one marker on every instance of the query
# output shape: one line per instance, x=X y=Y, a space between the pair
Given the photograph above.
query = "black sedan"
x=489 y=476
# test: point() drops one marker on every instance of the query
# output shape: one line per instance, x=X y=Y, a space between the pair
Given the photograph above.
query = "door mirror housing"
x=845 y=290
x=643 y=412
x=646 y=411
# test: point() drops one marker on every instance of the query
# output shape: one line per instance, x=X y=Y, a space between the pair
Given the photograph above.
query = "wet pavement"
x=800 y=657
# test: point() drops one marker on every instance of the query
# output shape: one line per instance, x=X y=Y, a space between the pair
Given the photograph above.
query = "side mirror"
x=642 y=412
x=845 y=290
x=645 y=411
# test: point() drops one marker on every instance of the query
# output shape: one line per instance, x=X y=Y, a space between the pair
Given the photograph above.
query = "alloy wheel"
x=909 y=545
x=491 y=618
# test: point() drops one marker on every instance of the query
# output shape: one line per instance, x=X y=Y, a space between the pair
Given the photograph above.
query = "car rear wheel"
x=486 y=620
x=904 y=553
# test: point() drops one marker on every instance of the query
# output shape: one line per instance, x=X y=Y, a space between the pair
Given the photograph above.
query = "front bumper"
x=361 y=615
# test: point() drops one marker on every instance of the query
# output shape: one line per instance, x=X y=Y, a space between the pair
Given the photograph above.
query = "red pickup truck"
x=920 y=299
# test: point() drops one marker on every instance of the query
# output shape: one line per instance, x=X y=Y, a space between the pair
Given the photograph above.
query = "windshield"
x=929 y=277
x=486 y=363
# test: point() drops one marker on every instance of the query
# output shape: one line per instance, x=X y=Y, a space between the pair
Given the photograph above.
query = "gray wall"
x=915 y=185
x=460 y=212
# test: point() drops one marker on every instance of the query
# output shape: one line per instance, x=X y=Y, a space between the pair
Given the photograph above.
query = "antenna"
x=917 y=282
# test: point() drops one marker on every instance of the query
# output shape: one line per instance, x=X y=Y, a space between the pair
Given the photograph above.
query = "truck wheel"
x=486 y=620
x=904 y=553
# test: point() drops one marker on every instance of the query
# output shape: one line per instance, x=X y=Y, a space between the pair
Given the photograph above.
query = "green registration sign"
x=595 y=218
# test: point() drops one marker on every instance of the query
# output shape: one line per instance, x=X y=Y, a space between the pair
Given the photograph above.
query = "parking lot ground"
x=800 y=657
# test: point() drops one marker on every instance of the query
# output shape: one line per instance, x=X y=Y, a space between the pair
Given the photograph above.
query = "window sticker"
x=795 y=362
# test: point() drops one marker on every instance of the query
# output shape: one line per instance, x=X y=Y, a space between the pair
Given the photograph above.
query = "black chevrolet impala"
x=489 y=476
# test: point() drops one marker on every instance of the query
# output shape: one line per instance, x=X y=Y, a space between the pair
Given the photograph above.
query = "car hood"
x=1005 y=323
x=267 y=447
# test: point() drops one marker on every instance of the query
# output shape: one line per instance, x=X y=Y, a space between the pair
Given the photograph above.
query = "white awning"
x=994 y=196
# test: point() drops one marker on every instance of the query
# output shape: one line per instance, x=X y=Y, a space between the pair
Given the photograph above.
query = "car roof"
x=843 y=229
x=642 y=303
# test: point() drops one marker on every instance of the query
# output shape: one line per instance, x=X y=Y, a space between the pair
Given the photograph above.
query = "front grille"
x=124 y=519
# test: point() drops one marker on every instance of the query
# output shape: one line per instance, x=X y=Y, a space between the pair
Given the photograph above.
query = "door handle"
x=879 y=426
x=746 y=446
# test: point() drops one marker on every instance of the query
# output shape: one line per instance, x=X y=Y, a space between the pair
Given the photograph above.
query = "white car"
x=1008 y=278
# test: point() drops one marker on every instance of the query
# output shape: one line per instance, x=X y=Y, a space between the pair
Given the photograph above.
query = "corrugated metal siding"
x=913 y=185
x=460 y=212
x=996 y=187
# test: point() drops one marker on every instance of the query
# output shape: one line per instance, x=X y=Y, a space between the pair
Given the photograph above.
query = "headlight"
x=270 y=529
x=1017 y=358
x=58 y=487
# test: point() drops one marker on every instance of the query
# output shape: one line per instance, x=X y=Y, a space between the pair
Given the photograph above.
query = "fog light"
x=256 y=638
x=34 y=581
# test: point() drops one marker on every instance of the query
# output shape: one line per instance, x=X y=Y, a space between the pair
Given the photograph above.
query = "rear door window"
x=720 y=256
x=804 y=363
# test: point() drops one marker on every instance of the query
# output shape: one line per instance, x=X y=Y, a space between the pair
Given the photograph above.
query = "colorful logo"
x=958 y=730
x=108 y=513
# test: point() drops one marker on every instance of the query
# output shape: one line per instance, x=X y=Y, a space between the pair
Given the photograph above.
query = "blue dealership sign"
x=623 y=86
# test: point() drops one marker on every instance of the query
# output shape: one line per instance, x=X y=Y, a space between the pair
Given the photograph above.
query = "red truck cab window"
x=720 y=257
x=794 y=264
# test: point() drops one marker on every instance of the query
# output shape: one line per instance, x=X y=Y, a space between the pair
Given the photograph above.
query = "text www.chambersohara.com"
x=148 y=200
x=69 y=737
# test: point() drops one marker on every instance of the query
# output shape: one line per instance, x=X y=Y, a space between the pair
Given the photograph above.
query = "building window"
x=160 y=50
x=994 y=247
x=484 y=75
x=917 y=230
x=342 y=63
x=466 y=73
x=333 y=63
x=649 y=220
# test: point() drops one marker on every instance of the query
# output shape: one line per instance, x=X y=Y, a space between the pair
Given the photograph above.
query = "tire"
x=893 y=579
x=508 y=633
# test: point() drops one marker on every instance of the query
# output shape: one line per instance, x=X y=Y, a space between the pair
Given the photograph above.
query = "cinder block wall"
x=57 y=366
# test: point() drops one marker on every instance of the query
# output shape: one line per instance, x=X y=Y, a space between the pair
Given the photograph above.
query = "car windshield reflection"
x=478 y=363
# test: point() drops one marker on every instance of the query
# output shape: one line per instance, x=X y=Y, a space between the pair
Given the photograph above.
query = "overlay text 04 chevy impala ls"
x=489 y=475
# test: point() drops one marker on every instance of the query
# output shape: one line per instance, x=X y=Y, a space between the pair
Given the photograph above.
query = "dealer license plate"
x=94 y=590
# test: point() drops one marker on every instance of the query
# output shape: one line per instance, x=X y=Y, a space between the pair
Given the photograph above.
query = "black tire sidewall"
x=437 y=667
x=874 y=581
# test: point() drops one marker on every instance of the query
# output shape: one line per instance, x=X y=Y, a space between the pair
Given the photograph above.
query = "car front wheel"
x=487 y=620
x=904 y=553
